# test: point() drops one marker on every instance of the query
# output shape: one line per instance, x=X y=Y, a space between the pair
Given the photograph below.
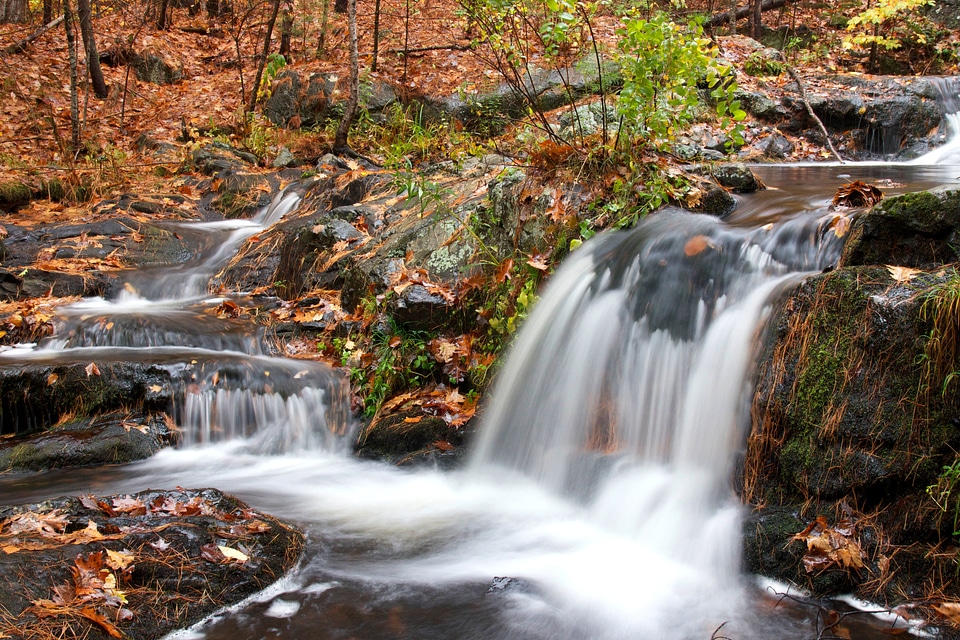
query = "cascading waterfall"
x=224 y=386
x=626 y=386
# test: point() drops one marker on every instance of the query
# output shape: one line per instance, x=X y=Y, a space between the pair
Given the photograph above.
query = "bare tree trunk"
x=72 y=55
x=162 y=18
x=756 y=21
x=90 y=46
x=340 y=6
x=286 y=31
x=47 y=11
x=263 y=57
x=340 y=144
x=322 y=40
x=14 y=11
x=376 y=35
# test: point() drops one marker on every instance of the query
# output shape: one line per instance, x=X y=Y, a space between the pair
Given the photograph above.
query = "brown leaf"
x=100 y=620
x=950 y=611
x=92 y=369
x=52 y=379
x=857 y=194
x=696 y=245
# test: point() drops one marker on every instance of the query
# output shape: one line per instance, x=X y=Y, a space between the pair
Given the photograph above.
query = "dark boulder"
x=912 y=230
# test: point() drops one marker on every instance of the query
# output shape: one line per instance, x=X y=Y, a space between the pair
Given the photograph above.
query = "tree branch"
x=17 y=47
x=806 y=103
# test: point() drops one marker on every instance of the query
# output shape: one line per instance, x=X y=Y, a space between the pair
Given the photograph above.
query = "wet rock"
x=734 y=176
x=843 y=414
x=282 y=105
x=36 y=397
x=589 y=119
x=160 y=549
x=912 y=230
x=717 y=201
x=410 y=437
x=775 y=147
x=285 y=158
x=761 y=105
x=106 y=439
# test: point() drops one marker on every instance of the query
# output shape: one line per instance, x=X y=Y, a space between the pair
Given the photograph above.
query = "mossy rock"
x=14 y=194
x=913 y=230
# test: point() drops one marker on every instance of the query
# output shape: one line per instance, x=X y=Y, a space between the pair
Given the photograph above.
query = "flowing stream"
x=597 y=501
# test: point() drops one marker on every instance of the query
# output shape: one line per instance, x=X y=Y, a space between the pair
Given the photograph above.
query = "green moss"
x=14 y=194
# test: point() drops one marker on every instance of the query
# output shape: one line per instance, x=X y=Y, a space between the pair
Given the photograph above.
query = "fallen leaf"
x=233 y=554
x=100 y=620
x=902 y=274
x=697 y=245
x=950 y=611
x=92 y=369
x=52 y=379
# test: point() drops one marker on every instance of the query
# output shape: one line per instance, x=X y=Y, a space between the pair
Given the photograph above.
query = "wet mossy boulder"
x=410 y=437
x=847 y=413
x=913 y=230
x=35 y=397
x=114 y=438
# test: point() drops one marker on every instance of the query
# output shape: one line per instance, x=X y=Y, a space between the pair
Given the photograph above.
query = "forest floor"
x=444 y=60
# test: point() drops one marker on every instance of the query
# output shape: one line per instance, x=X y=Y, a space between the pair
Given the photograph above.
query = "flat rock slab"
x=135 y=566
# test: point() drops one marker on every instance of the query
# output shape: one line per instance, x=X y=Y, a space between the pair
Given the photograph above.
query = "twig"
x=806 y=103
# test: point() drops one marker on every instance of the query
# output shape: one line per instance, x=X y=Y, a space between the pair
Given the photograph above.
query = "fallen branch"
x=806 y=103
x=723 y=18
x=20 y=46
x=439 y=47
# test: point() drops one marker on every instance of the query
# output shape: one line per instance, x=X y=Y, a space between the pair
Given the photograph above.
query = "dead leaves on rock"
x=827 y=546
x=99 y=581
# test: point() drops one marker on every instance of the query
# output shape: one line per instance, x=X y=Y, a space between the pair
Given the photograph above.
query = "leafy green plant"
x=663 y=65
x=275 y=62
x=879 y=17
x=943 y=493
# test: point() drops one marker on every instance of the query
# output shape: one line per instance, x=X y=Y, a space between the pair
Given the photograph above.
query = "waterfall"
x=628 y=385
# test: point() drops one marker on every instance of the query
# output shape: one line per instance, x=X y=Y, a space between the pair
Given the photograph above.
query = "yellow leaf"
x=52 y=379
x=119 y=560
x=234 y=554
x=902 y=274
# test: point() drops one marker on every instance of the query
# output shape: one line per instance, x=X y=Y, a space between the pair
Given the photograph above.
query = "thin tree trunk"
x=72 y=55
x=376 y=35
x=90 y=46
x=255 y=94
x=162 y=18
x=324 y=17
x=340 y=144
x=286 y=32
x=47 y=11
x=14 y=11
x=756 y=21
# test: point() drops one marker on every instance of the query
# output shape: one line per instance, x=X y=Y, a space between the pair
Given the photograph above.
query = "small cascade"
x=949 y=98
x=627 y=386
x=221 y=383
